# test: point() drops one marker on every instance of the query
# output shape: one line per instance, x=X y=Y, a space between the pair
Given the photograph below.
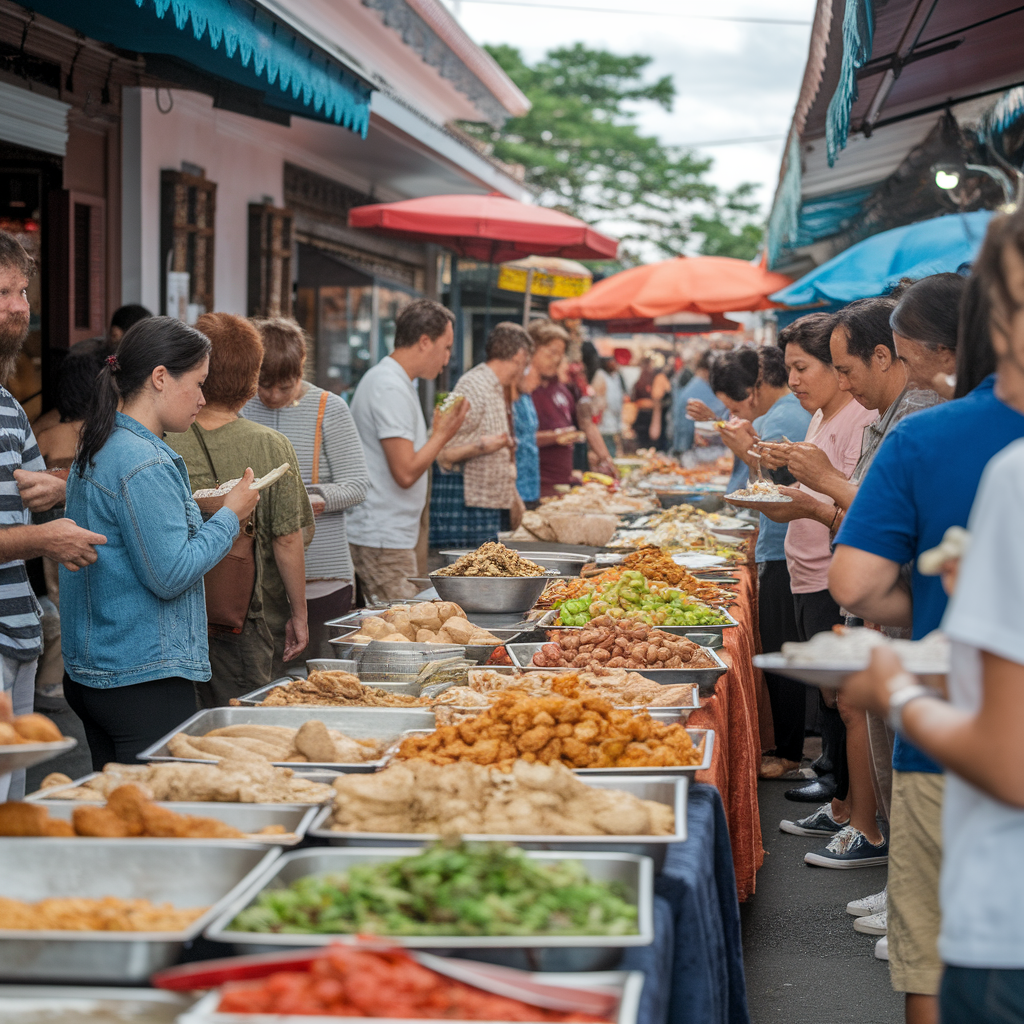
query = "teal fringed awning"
x=232 y=39
x=858 y=34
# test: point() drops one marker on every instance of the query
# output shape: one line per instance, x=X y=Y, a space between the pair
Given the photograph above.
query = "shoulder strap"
x=202 y=444
x=317 y=438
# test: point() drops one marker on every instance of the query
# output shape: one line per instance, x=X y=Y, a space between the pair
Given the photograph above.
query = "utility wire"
x=752 y=20
x=728 y=142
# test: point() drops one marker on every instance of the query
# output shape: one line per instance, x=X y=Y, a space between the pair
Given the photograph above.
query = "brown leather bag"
x=231 y=582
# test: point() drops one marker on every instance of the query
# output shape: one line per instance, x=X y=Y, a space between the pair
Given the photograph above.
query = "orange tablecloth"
x=733 y=713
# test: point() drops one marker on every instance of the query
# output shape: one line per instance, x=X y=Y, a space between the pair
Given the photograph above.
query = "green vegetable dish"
x=633 y=596
x=467 y=889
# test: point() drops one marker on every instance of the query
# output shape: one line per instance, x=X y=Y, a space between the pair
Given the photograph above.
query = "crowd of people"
x=885 y=423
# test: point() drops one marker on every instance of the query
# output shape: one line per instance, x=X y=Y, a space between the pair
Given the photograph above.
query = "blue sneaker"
x=820 y=823
x=849 y=849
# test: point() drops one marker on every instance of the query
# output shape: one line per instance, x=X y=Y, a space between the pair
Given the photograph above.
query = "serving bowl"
x=564 y=562
x=492 y=593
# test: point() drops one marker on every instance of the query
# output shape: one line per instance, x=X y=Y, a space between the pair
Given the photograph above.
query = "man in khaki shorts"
x=383 y=530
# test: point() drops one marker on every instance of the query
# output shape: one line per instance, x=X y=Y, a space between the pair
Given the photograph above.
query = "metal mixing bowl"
x=563 y=562
x=492 y=593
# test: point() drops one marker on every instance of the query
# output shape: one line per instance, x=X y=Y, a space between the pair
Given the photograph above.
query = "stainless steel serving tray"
x=626 y=985
x=257 y=696
x=479 y=653
x=19 y=1003
x=634 y=872
x=15 y=757
x=490 y=594
x=547 y=621
x=296 y=819
x=705 y=678
x=184 y=872
x=358 y=723
x=670 y=792
x=703 y=739
x=565 y=562
x=53 y=792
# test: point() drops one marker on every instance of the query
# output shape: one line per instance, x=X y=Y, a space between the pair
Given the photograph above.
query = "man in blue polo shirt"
x=923 y=480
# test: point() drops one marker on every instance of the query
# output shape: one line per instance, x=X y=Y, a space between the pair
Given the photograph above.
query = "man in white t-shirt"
x=383 y=530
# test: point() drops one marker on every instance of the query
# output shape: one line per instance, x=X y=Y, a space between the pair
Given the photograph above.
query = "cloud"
x=732 y=80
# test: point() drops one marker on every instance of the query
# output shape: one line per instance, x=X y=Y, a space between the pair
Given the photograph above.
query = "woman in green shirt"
x=243 y=661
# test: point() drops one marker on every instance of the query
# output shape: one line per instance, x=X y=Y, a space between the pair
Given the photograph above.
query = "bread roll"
x=393 y=638
x=401 y=623
x=426 y=636
x=375 y=626
x=459 y=629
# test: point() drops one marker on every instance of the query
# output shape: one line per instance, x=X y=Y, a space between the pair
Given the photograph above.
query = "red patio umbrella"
x=491 y=228
x=690 y=284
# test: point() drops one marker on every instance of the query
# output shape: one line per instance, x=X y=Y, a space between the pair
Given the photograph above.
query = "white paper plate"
x=697 y=560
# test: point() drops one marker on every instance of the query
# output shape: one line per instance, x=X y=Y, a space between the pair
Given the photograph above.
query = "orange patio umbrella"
x=685 y=284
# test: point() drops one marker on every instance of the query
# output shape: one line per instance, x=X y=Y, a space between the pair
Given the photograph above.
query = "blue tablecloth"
x=694 y=967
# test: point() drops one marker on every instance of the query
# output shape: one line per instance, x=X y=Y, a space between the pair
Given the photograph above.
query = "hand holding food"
x=243 y=497
x=450 y=415
x=697 y=410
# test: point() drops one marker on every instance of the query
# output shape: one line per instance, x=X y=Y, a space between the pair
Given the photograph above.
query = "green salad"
x=631 y=597
x=466 y=889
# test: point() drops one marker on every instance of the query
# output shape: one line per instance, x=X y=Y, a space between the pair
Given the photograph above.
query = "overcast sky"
x=733 y=80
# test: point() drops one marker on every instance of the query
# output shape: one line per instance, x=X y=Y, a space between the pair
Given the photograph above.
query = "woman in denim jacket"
x=133 y=624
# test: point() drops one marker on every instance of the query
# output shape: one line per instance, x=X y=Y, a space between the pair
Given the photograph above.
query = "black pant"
x=818 y=613
x=121 y=721
x=980 y=995
x=777 y=625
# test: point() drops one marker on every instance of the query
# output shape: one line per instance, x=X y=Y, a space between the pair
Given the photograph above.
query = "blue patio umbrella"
x=873 y=266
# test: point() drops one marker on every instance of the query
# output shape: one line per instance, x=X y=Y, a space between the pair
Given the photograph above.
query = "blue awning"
x=236 y=40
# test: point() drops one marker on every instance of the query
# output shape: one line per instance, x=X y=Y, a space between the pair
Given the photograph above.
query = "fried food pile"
x=619 y=687
x=108 y=914
x=492 y=559
x=429 y=622
x=128 y=813
x=311 y=742
x=231 y=781
x=18 y=729
x=532 y=799
x=620 y=643
x=336 y=689
x=580 y=733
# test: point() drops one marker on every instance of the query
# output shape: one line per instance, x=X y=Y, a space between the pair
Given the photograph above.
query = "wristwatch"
x=903 y=688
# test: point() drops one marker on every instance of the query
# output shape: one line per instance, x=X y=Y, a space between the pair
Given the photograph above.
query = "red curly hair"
x=235 y=358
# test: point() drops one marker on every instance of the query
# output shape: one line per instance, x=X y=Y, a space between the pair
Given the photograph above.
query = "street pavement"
x=804 y=962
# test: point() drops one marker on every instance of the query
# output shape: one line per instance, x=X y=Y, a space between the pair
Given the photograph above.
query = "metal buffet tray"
x=706 y=678
x=358 y=723
x=254 y=698
x=547 y=621
x=671 y=792
x=25 y=755
x=703 y=739
x=184 y=872
x=626 y=985
x=52 y=1003
x=479 y=653
x=326 y=777
x=634 y=872
x=250 y=818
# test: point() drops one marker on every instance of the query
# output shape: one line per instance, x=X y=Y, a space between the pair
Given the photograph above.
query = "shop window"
x=187 y=216
x=78 y=287
x=346 y=331
x=270 y=261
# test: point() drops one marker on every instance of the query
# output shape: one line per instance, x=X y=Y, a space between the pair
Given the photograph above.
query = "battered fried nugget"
x=128 y=803
x=315 y=742
x=21 y=819
x=101 y=822
x=167 y=824
x=59 y=828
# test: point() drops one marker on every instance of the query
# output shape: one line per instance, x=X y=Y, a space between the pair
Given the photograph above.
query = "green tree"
x=583 y=152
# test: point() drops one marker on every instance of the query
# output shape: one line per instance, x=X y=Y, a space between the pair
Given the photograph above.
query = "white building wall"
x=244 y=156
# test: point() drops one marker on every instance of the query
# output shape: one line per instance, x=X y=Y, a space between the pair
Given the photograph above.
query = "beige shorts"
x=915 y=860
x=384 y=572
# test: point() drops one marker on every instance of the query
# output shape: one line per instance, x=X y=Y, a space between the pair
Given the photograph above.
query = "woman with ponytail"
x=133 y=624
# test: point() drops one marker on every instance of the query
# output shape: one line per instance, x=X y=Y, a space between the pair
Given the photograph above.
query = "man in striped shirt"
x=24 y=489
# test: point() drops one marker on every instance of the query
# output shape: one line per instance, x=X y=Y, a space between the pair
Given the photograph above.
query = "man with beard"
x=24 y=489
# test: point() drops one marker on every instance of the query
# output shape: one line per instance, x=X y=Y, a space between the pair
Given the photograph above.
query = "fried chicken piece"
x=128 y=802
x=59 y=828
x=313 y=740
x=22 y=819
x=164 y=823
x=101 y=822
x=9 y=735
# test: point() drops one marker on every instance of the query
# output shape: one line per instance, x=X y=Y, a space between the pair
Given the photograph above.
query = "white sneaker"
x=868 y=905
x=882 y=948
x=874 y=924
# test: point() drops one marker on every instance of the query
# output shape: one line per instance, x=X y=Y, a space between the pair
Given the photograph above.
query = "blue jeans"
x=976 y=995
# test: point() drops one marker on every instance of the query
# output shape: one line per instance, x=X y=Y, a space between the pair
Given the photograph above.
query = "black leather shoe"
x=822 y=789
